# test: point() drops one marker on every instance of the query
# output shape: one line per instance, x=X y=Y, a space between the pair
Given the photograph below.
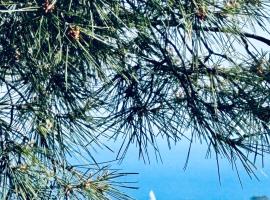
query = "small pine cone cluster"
x=48 y=7
x=74 y=32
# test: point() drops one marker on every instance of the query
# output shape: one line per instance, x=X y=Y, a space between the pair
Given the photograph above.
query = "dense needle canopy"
x=74 y=73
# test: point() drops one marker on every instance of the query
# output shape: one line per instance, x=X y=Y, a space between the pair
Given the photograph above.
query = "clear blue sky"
x=200 y=180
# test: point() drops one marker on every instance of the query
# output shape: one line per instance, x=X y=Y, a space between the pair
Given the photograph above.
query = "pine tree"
x=74 y=71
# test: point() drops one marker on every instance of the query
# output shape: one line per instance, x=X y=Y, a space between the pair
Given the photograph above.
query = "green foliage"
x=74 y=72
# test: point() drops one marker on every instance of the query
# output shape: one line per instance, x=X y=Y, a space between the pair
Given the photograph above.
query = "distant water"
x=198 y=181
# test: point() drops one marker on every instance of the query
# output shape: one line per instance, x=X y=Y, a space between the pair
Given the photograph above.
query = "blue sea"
x=199 y=180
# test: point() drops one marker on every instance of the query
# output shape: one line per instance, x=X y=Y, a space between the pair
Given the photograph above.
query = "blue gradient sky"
x=199 y=181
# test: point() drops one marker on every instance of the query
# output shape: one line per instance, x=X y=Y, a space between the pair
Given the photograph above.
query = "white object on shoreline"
x=152 y=195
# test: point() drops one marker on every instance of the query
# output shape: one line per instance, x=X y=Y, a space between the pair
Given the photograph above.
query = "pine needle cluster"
x=75 y=71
